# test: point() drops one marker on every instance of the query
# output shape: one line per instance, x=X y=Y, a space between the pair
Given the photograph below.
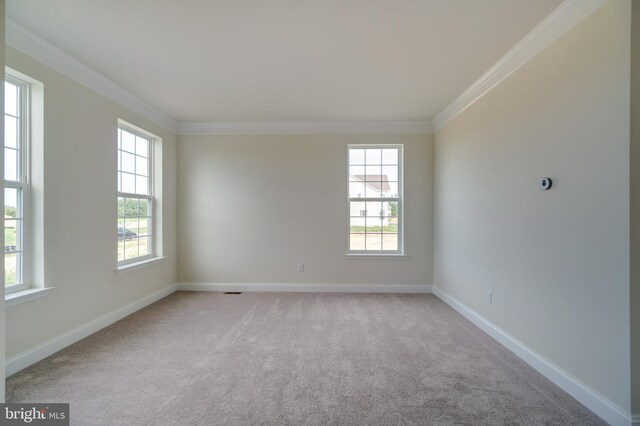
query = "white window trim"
x=23 y=184
x=379 y=254
x=375 y=256
x=32 y=123
x=18 y=297
x=154 y=256
x=138 y=264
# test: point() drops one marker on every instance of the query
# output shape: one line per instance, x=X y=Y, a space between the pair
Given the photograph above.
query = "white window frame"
x=399 y=199
x=153 y=140
x=23 y=183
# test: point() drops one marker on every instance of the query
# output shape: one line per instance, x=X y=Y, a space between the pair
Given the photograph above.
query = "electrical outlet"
x=104 y=292
x=300 y=267
x=488 y=296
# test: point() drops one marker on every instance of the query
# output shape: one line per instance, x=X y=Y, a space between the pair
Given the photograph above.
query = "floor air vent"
x=232 y=292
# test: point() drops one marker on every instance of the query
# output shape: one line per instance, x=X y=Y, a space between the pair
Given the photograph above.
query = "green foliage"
x=10 y=211
x=393 y=208
x=131 y=207
x=9 y=236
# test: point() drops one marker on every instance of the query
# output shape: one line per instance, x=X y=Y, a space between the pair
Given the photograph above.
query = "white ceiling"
x=287 y=60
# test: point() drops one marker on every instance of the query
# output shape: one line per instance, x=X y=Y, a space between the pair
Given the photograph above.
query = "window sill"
x=22 y=296
x=376 y=256
x=141 y=264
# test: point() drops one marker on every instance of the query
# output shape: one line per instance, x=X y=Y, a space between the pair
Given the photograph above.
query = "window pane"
x=142 y=146
x=130 y=248
x=373 y=209
x=128 y=162
x=373 y=242
x=10 y=98
x=393 y=189
x=145 y=208
x=11 y=240
x=10 y=131
x=120 y=207
x=356 y=173
x=373 y=225
x=376 y=189
x=144 y=226
x=131 y=207
x=134 y=228
x=390 y=225
x=357 y=208
x=11 y=269
x=390 y=173
x=145 y=246
x=129 y=229
x=390 y=156
x=357 y=190
x=142 y=185
x=373 y=156
x=128 y=141
x=10 y=164
x=142 y=166
x=390 y=242
x=11 y=203
x=384 y=209
x=392 y=208
x=128 y=183
x=356 y=242
x=372 y=173
x=356 y=156
x=131 y=224
x=357 y=224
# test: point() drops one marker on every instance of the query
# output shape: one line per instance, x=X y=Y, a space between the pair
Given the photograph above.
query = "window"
x=135 y=224
x=16 y=183
x=375 y=199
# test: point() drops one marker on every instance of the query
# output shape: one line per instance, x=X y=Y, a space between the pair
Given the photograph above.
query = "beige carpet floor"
x=295 y=359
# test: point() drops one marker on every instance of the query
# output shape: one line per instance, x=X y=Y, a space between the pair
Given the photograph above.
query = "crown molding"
x=561 y=20
x=306 y=127
x=20 y=38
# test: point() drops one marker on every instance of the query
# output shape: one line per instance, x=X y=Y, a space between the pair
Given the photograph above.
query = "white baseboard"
x=607 y=410
x=48 y=348
x=307 y=288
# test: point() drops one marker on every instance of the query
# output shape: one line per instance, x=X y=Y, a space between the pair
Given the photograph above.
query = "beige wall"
x=79 y=212
x=251 y=207
x=557 y=261
x=635 y=208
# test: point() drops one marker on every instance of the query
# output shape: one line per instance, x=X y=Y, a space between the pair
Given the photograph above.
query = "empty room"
x=336 y=212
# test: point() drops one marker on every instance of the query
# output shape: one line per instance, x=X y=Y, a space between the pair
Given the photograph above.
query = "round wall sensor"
x=545 y=183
